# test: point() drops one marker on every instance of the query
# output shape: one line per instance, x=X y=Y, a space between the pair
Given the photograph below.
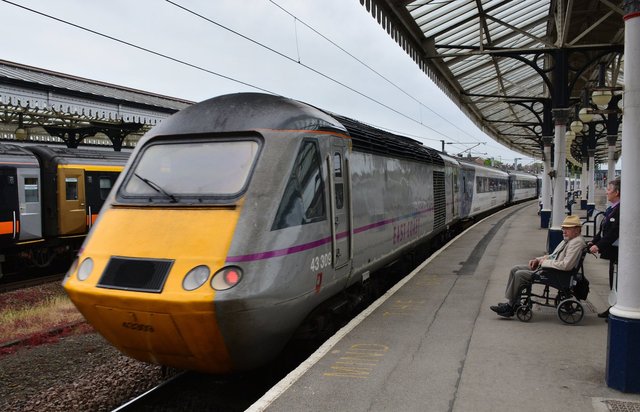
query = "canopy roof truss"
x=508 y=64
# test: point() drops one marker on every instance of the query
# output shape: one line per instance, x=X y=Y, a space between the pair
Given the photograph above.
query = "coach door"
x=340 y=194
x=30 y=206
x=9 y=208
x=71 y=202
x=97 y=188
x=455 y=196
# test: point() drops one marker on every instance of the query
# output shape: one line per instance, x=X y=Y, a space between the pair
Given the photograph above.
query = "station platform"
x=432 y=343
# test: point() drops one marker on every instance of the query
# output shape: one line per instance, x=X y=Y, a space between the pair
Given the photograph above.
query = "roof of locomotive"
x=366 y=138
x=253 y=111
x=245 y=111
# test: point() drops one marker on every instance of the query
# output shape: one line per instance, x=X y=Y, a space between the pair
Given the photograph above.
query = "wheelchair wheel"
x=524 y=313
x=570 y=311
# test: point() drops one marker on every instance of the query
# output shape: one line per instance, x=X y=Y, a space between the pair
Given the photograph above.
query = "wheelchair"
x=569 y=287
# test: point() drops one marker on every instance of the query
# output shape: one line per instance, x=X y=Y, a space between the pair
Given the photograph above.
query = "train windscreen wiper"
x=157 y=188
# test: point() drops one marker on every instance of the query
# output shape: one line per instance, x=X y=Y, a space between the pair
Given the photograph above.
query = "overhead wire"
x=297 y=19
x=244 y=83
x=382 y=77
x=271 y=49
x=147 y=50
x=415 y=99
x=183 y=62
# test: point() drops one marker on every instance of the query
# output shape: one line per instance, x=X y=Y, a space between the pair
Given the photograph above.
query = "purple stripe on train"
x=320 y=242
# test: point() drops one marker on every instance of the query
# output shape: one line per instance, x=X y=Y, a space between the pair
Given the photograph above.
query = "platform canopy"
x=510 y=65
x=42 y=106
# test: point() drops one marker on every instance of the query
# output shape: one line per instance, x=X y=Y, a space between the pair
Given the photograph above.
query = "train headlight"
x=85 y=269
x=195 y=278
x=226 y=278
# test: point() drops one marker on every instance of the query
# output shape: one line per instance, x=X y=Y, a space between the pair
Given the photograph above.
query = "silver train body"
x=326 y=202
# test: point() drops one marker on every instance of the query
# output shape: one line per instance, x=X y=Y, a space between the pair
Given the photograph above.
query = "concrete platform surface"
x=432 y=343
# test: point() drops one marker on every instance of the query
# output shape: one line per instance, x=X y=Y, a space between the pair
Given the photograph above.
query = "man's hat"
x=571 y=221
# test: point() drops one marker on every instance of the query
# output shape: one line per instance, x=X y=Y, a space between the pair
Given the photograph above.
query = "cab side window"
x=303 y=200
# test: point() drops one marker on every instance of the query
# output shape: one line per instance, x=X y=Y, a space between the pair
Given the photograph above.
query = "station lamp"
x=576 y=127
x=21 y=133
x=601 y=95
x=601 y=98
x=585 y=115
x=569 y=136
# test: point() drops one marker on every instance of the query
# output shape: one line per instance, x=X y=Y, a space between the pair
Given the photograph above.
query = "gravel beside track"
x=77 y=373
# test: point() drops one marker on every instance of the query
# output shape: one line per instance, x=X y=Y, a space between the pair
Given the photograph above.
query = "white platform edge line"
x=272 y=394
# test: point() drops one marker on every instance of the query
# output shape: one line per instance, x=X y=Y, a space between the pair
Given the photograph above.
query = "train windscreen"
x=202 y=170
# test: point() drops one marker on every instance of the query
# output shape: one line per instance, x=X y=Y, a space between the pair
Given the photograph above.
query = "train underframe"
x=40 y=256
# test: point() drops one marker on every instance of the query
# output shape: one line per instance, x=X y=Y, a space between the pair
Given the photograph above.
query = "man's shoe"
x=503 y=309
x=497 y=308
x=506 y=311
x=604 y=314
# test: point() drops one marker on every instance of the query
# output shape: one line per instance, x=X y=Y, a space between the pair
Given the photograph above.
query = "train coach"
x=522 y=186
x=243 y=217
x=49 y=199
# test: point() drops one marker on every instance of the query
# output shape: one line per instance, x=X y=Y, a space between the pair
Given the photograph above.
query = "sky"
x=211 y=49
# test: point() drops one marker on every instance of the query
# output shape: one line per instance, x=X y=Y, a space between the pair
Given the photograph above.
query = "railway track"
x=147 y=399
x=192 y=391
x=21 y=282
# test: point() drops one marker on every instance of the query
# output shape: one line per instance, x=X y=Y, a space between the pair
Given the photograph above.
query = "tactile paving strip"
x=615 y=405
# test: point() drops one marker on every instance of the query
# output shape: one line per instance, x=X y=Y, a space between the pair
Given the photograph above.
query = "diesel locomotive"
x=239 y=216
x=49 y=199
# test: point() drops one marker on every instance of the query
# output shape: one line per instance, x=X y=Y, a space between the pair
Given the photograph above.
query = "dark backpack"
x=581 y=288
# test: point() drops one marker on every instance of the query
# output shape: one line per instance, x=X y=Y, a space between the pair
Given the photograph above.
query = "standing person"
x=609 y=232
x=565 y=257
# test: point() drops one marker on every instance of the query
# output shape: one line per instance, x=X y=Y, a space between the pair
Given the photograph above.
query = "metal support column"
x=545 y=213
x=623 y=356
x=583 y=185
x=559 y=160
x=613 y=124
x=611 y=157
x=591 y=201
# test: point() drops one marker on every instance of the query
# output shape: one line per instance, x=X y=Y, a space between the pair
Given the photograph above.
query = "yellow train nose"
x=135 y=292
x=178 y=333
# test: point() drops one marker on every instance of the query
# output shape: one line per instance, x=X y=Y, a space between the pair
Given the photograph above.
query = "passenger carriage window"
x=71 y=188
x=303 y=200
x=105 y=187
x=31 y=190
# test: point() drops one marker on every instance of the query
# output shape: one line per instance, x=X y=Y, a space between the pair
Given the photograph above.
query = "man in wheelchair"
x=564 y=258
